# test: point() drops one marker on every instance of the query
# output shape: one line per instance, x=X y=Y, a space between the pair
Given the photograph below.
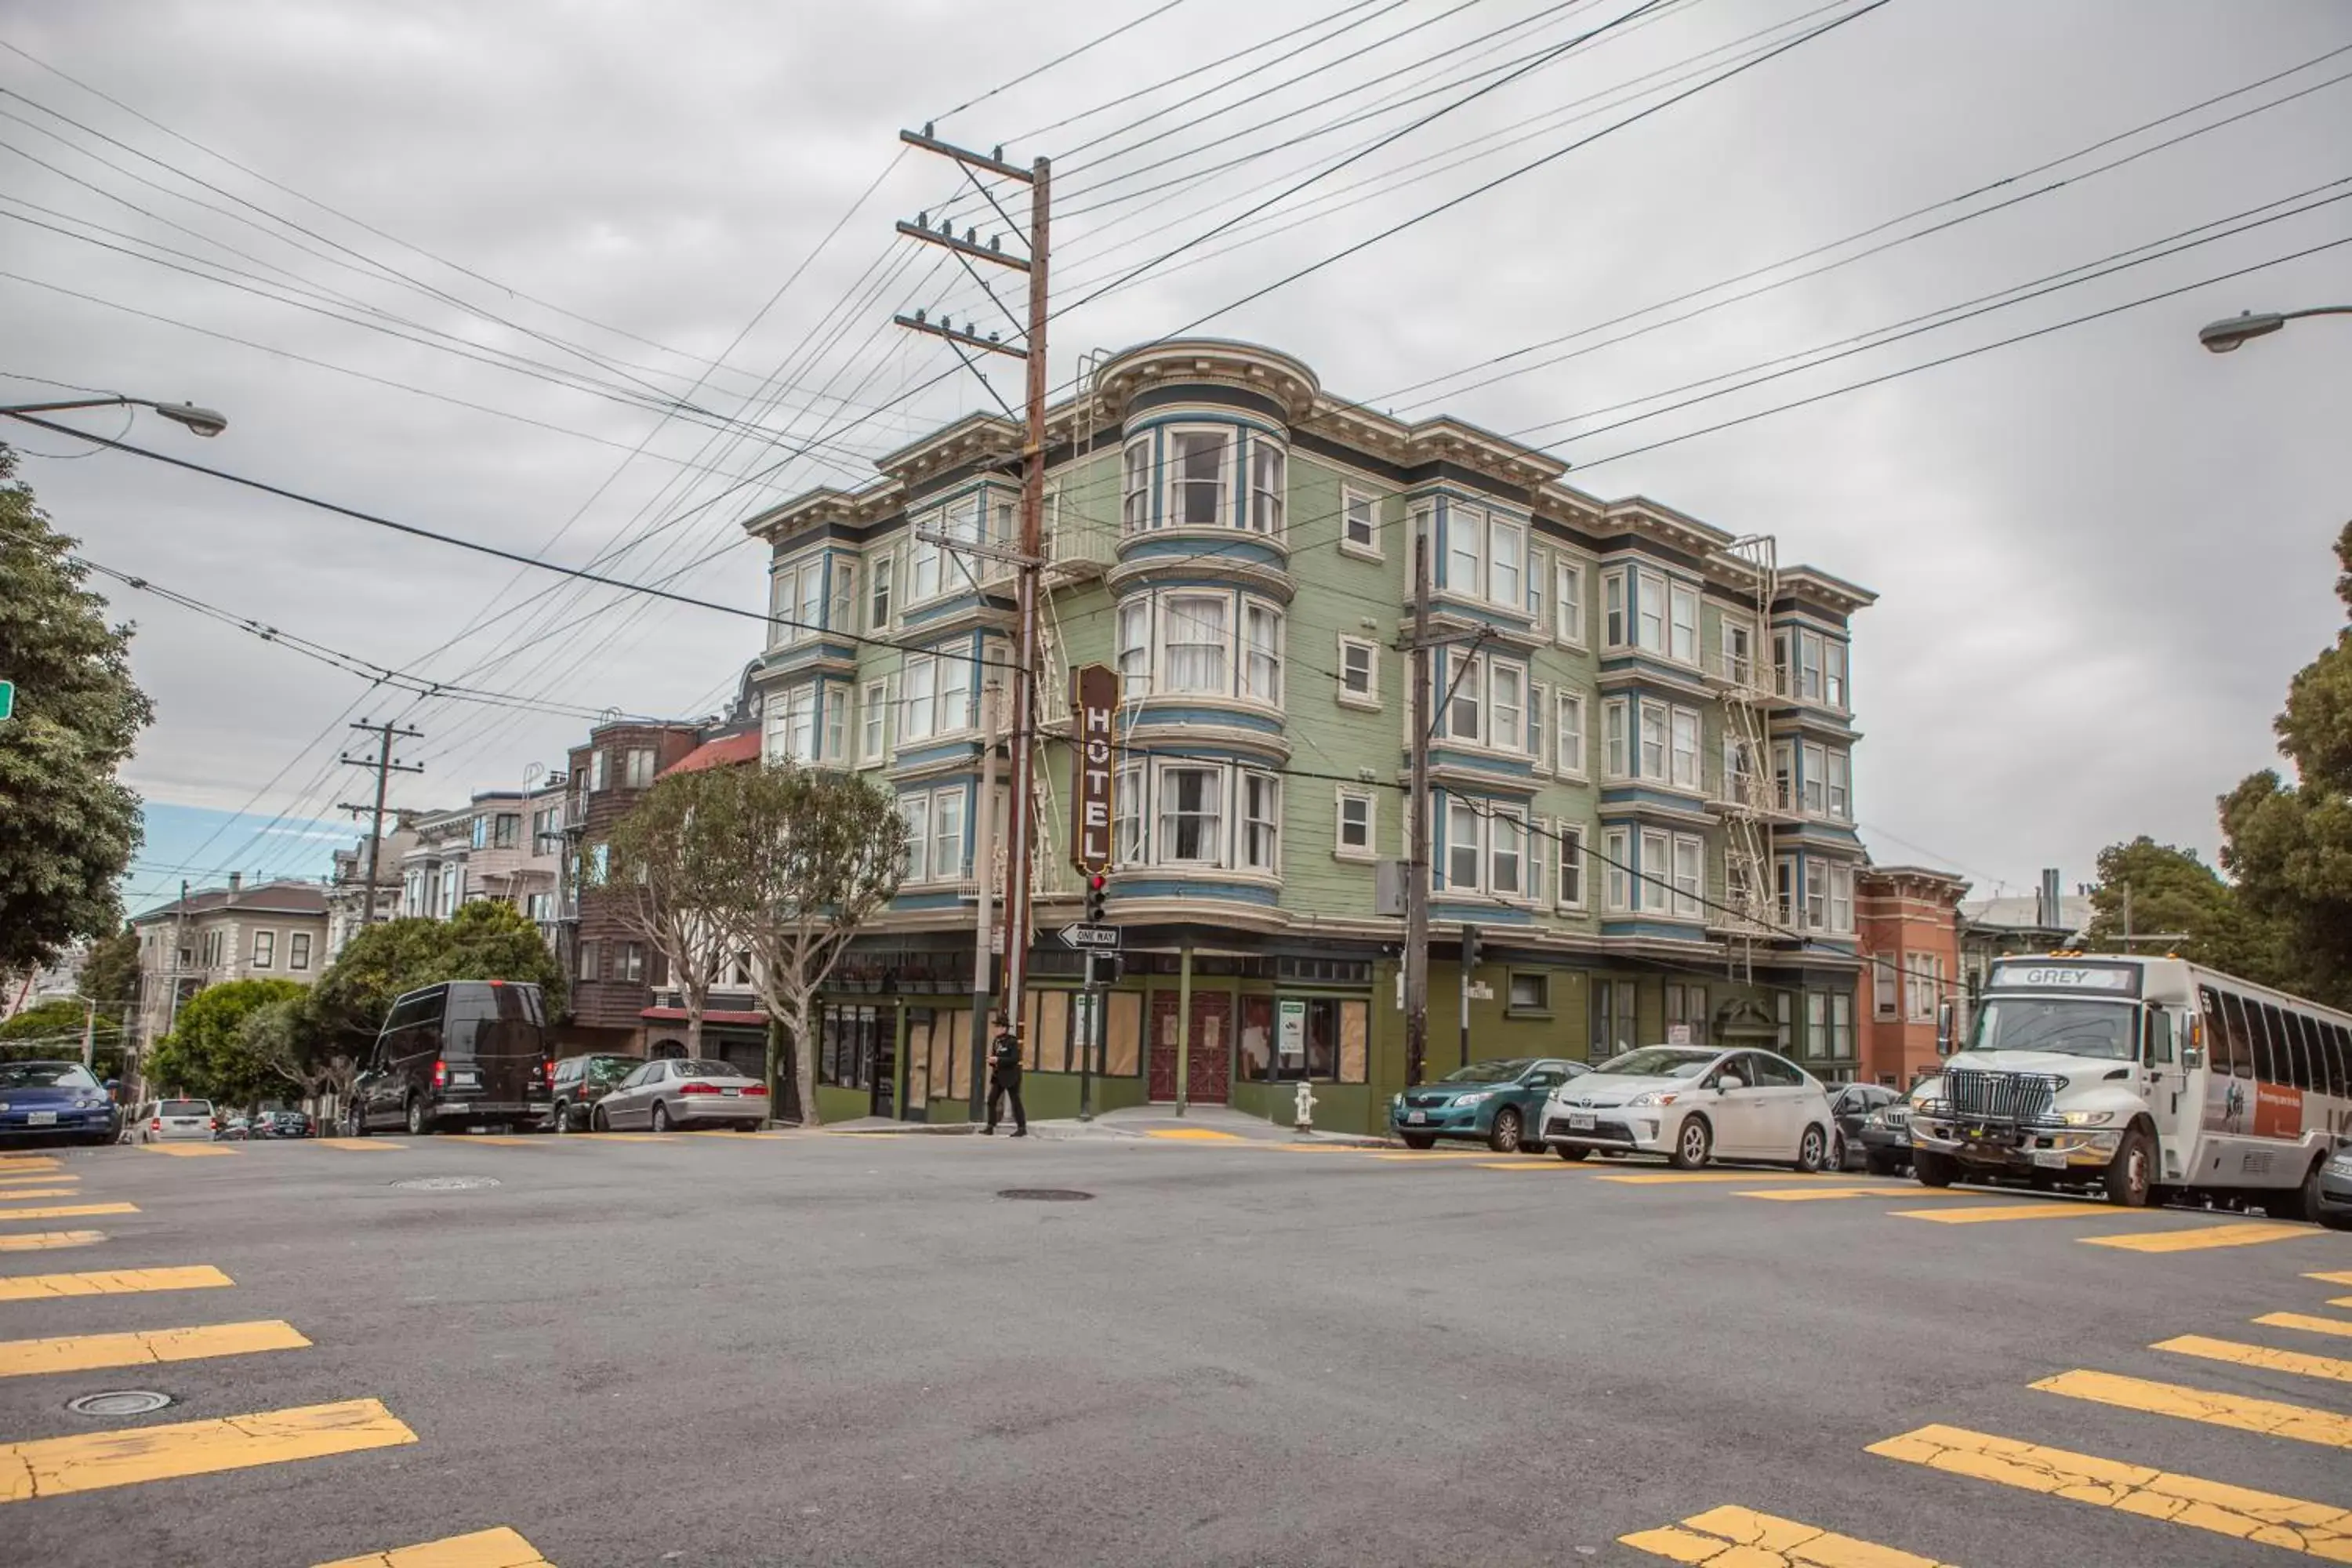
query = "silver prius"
x=1691 y=1103
x=676 y=1093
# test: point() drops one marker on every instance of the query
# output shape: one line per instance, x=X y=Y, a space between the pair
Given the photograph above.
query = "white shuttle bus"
x=2150 y=1077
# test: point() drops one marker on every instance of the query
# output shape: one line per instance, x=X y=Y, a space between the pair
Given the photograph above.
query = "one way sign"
x=1091 y=939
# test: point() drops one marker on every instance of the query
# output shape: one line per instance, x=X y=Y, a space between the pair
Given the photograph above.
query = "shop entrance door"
x=1210 y=1069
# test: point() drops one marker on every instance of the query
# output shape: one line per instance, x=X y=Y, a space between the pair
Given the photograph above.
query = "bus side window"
x=2217 y=1053
x=2159 y=1037
x=2282 y=1050
x=2237 y=1046
x=2340 y=1058
x=2307 y=1070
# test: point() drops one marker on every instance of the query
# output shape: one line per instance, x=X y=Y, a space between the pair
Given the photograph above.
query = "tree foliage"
x=68 y=826
x=660 y=872
x=52 y=1031
x=110 y=972
x=2169 y=891
x=2289 y=845
x=814 y=856
x=207 y=1053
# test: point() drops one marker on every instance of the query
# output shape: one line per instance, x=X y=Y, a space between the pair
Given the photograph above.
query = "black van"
x=465 y=1051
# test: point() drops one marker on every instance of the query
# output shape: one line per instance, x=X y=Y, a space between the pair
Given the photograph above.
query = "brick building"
x=610 y=972
x=1908 y=921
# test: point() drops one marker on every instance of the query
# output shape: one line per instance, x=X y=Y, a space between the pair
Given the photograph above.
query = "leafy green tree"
x=2289 y=846
x=68 y=826
x=483 y=940
x=51 y=1031
x=206 y=1054
x=658 y=873
x=2169 y=891
x=110 y=972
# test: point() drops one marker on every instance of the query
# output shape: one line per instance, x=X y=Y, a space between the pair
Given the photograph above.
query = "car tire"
x=354 y=1122
x=1502 y=1136
x=660 y=1122
x=1812 y=1150
x=1879 y=1164
x=2130 y=1175
x=1694 y=1142
x=1418 y=1140
x=2300 y=1202
x=419 y=1124
x=598 y=1120
x=560 y=1119
x=1571 y=1152
x=1933 y=1170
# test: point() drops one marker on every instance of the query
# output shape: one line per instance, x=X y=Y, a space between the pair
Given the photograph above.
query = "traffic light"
x=1097 y=885
x=1469 y=949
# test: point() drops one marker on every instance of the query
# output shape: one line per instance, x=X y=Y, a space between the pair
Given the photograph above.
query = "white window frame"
x=873 y=728
x=1342 y=797
x=1538 y=596
x=1681 y=636
x=1836 y=689
x=1784 y=775
x=1688 y=875
x=1131 y=650
x=1839 y=790
x=1507 y=850
x=1685 y=765
x=1351 y=500
x=1923 y=981
x=918 y=696
x=1131 y=821
x=915 y=810
x=1738 y=663
x=881 y=586
x=1616 y=738
x=842 y=605
x=788 y=727
x=1258 y=821
x=1615 y=614
x=1787 y=897
x=1176 y=485
x=1652 y=726
x=1883 y=1001
x=264 y=949
x=1841 y=898
x=1539 y=715
x=1817 y=895
x=1177 y=608
x=1568 y=600
x=1260 y=684
x=298 y=950
x=1135 y=485
x=1567 y=880
x=1266 y=503
x=1370 y=696
x=1616 y=882
x=599 y=775
x=1466 y=525
x=1459 y=811
x=1812 y=778
x=1213 y=812
x=836 y=724
x=1508 y=594
x=640 y=765
x=947 y=833
x=1464 y=676
x=1649 y=588
x=1507 y=722
x=795 y=599
x=1653 y=888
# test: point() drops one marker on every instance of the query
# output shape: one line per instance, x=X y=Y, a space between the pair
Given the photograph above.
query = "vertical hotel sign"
x=1094 y=701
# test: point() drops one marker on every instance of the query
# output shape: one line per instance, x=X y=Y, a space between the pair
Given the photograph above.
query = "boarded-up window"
x=1053 y=1032
x=919 y=1058
x=958 y=1037
x=1121 y=1053
x=1355 y=1022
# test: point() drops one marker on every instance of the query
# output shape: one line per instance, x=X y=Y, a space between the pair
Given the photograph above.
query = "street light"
x=2224 y=336
x=203 y=421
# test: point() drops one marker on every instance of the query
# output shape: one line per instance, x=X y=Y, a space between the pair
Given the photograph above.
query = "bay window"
x=877 y=593
x=1649 y=611
x=1196 y=478
x=1616 y=850
x=1266 y=486
x=1840 y=899
x=1465 y=543
x=1817 y=895
x=915 y=811
x=1654 y=740
x=1135 y=486
x=841 y=613
x=1461 y=846
x=1808 y=667
x=1686 y=744
x=1784 y=783
x=1840 y=786
x=1507 y=850
x=1127 y=817
x=917 y=697
x=1134 y=647
x=1196 y=639
x=1690 y=875
x=1653 y=883
x=1463 y=713
x=1612 y=738
x=1612 y=609
x=1261 y=652
x=1189 y=818
x=796 y=601
x=1784 y=891
x=1506 y=548
x=1568 y=889
x=1833 y=673
x=1538 y=586
x=836 y=723
x=1682 y=632
x=1261 y=822
x=947 y=833
x=1812 y=783
x=1568 y=602
x=1539 y=726
x=1507 y=691
x=791 y=718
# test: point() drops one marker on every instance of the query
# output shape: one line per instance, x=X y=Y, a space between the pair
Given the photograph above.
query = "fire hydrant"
x=1306 y=1121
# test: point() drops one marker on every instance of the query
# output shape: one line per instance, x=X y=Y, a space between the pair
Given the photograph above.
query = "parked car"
x=2333 y=1208
x=581 y=1081
x=1853 y=1104
x=1495 y=1102
x=283 y=1124
x=678 y=1092
x=1692 y=1104
x=54 y=1099
x=236 y=1130
x=1886 y=1131
x=174 y=1121
x=465 y=1052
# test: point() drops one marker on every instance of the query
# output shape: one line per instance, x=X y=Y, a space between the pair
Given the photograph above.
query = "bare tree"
x=662 y=870
x=815 y=856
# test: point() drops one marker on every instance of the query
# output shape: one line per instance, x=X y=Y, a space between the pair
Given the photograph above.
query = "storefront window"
x=1322 y=1039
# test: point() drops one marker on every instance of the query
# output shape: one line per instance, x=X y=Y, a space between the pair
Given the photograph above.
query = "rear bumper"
x=716 y=1107
x=477 y=1109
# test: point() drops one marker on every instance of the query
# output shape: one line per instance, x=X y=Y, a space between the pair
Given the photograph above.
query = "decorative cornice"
x=1206 y=361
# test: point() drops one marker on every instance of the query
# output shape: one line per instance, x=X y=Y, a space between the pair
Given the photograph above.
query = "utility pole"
x=179 y=936
x=1021 y=830
x=983 y=864
x=386 y=765
x=1416 y=829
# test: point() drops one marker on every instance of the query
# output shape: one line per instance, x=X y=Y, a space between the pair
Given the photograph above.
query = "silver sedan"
x=676 y=1092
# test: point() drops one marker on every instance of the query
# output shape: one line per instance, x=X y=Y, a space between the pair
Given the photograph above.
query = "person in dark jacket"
x=1004 y=1080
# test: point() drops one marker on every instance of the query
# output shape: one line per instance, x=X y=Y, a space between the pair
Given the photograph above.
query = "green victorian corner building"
x=1642 y=762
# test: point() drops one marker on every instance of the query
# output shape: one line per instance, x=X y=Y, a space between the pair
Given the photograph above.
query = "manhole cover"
x=120 y=1402
x=446 y=1184
x=1045 y=1194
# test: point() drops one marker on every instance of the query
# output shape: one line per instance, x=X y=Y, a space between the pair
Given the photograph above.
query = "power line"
x=1062 y=59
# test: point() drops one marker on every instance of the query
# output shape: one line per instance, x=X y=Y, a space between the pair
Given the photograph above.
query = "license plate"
x=731 y=1093
x=2050 y=1159
x=1416 y=1117
x=466 y=1079
x=1577 y=1123
x=40 y=1119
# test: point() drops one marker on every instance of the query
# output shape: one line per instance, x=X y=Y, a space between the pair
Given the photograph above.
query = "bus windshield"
x=2072 y=1028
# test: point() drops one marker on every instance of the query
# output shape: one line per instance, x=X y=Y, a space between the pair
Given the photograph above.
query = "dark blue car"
x=54 y=1099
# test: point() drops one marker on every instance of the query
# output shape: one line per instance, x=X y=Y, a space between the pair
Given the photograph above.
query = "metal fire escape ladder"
x=1749 y=805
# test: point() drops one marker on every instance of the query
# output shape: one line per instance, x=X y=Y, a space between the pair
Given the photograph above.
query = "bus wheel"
x=2128 y=1179
x=2299 y=1203
x=1933 y=1170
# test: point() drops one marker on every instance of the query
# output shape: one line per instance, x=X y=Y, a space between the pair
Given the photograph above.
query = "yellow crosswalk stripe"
x=1427 y=1156
x=69 y=1211
x=24 y=1178
x=14 y=1195
x=1807 y=1195
x=2319 y=1530
x=110 y=1282
x=359 y=1143
x=1679 y=1178
x=483 y=1549
x=12 y=1165
x=2266 y=1357
x=189 y=1151
x=1993 y=1213
x=1194 y=1134
x=41 y=1240
x=2269 y=1416
x=51 y=1467
x=86 y=1352
x=2340 y=1301
x=1532 y=1162
x=1742 y=1538
x=2309 y=1325
x=2342 y=1277
x=662 y=1137
x=503 y=1141
x=2197 y=1238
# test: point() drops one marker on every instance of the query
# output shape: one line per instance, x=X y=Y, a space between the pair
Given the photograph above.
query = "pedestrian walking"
x=1004 y=1080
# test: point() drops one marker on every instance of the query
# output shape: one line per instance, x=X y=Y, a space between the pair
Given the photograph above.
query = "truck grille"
x=2019 y=1097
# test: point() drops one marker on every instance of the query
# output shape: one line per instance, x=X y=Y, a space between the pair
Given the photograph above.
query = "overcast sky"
x=2099 y=553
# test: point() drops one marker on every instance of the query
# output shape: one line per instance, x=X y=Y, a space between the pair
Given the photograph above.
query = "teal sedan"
x=1494 y=1102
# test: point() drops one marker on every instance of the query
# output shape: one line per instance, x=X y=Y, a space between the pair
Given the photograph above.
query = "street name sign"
x=7 y=699
x=1094 y=703
x=1086 y=938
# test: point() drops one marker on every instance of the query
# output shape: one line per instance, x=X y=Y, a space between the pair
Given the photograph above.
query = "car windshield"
x=185 y=1108
x=1659 y=1061
x=44 y=1075
x=1485 y=1072
x=610 y=1070
x=2073 y=1028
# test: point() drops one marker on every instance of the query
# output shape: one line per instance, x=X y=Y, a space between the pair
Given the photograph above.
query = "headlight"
x=1462 y=1101
x=1655 y=1097
x=1396 y=1102
x=2086 y=1118
x=2341 y=1166
x=1875 y=1119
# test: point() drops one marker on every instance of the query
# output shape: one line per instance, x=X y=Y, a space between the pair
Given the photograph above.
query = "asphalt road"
x=721 y=1349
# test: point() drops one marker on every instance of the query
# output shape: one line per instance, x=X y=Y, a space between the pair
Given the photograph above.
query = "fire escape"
x=1748 y=799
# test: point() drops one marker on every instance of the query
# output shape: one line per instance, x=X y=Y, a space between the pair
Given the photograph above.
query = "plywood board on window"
x=1124 y=1031
x=1355 y=1022
x=958 y=1037
x=1053 y=1031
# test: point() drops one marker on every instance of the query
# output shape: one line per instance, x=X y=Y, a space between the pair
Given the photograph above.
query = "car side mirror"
x=1728 y=1082
x=2192 y=1058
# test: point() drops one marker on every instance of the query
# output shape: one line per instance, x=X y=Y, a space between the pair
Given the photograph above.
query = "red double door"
x=1209 y=1067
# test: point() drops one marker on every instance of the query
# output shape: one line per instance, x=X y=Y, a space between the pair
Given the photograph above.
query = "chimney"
x=2046 y=908
x=236 y=880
